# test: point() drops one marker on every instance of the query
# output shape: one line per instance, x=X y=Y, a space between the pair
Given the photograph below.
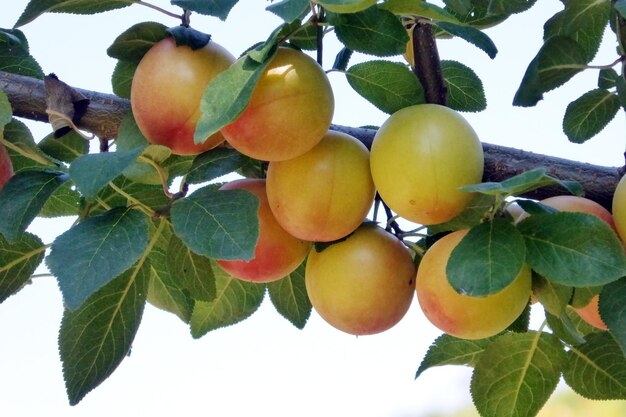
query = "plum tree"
x=340 y=191
x=276 y=253
x=420 y=157
x=461 y=315
x=294 y=84
x=166 y=90
x=363 y=284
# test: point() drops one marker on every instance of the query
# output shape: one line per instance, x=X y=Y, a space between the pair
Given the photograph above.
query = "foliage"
x=135 y=242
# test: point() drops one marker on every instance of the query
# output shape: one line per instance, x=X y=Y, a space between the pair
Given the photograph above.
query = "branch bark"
x=106 y=111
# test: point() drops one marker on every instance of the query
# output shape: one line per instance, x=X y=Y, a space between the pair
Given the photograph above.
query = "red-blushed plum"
x=167 y=89
x=324 y=194
x=465 y=316
x=420 y=157
x=363 y=284
x=277 y=253
x=289 y=112
x=6 y=166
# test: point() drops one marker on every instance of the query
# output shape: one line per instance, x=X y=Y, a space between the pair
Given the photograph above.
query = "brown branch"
x=104 y=115
x=427 y=65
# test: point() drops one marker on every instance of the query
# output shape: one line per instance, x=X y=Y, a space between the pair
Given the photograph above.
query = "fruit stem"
x=427 y=63
x=160 y=171
x=159 y=9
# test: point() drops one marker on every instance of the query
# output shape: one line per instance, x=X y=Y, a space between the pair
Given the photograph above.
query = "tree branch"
x=106 y=111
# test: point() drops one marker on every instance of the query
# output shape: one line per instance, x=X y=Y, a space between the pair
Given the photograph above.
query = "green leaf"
x=583 y=295
x=93 y=171
x=18 y=261
x=613 y=310
x=554 y=297
x=23 y=196
x=64 y=201
x=219 y=9
x=236 y=300
x=573 y=249
x=607 y=78
x=586 y=116
x=487 y=259
x=516 y=374
x=147 y=195
x=192 y=272
x=134 y=42
x=418 y=8
x=89 y=255
x=620 y=7
x=122 y=78
x=289 y=10
x=558 y=60
x=465 y=89
x=66 y=148
x=188 y=36
x=218 y=224
x=305 y=38
x=508 y=7
x=14 y=55
x=36 y=8
x=597 y=369
x=449 y=350
x=290 y=298
x=227 y=96
x=583 y=21
x=215 y=163
x=6 y=112
x=373 y=31
x=471 y=35
x=390 y=86
x=18 y=134
x=164 y=291
x=471 y=216
x=569 y=327
x=95 y=338
x=522 y=183
x=475 y=13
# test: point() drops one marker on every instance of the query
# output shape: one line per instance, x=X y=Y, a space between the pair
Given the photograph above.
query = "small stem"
x=159 y=9
x=41 y=276
x=161 y=172
x=608 y=66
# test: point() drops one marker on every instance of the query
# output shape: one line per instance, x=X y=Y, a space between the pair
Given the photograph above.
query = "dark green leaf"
x=522 y=322
x=459 y=6
x=18 y=261
x=475 y=13
x=390 y=86
x=132 y=45
x=583 y=295
x=583 y=21
x=188 y=36
x=289 y=10
x=487 y=259
x=215 y=163
x=18 y=134
x=89 y=255
x=66 y=148
x=607 y=78
x=573 y=249
x=373 y=31
x=218 y=9
x=418 y=8
x=569 y=327
x=122 y=78
x=613 y=310
x=586 y=116
x=465 y=89
x=144 y=194
x=14 y=55
x=507 y=7
x=36 y=8
x=64 y=201
x=23 y=196
x=516 y=374
x=93 y=171
x=218 y=224
x=471 y=35
x=290 y=298
x=227 y=96
x=535 y=207
x=449 y=350
x=472 y=215
x=342 y=59
x=620 y=7
x=164 y=291
x=236 y=300
x=95 y=338
x=6 y=112
x=306 y=37
x=597 y=369
x=192 y=272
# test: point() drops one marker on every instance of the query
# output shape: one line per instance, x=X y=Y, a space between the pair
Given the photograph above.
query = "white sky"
x=265 y=366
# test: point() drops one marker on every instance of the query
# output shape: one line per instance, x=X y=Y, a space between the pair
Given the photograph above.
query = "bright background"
x=265 y=366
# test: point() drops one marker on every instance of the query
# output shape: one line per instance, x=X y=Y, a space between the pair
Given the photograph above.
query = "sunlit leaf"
x=290 y=298
x=449 y=350
x=586 y=116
